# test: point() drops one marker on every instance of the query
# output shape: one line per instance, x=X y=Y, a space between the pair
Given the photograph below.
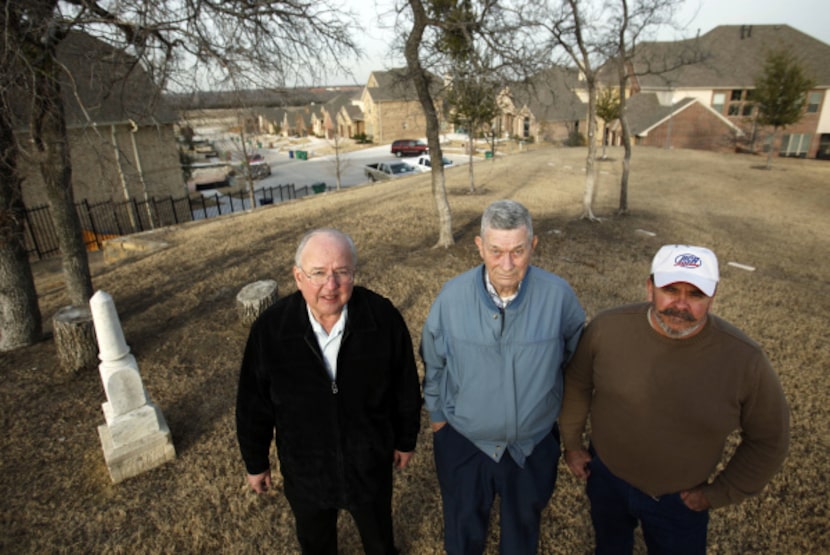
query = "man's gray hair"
x=506 y=214
x=325 y=231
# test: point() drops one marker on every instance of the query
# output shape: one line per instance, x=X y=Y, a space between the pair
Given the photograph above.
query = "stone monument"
x=135 y=437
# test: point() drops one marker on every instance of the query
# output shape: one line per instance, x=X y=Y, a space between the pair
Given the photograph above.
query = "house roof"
x=106 y=86
x=645 y=112
x=549 y=95
x=732 y=57
x=395 y=85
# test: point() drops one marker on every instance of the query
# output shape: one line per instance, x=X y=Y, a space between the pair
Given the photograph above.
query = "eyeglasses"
x=319 y=278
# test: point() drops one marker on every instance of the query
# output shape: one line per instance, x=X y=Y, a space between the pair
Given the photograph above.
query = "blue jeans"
x=669 y=526
x=469 y=482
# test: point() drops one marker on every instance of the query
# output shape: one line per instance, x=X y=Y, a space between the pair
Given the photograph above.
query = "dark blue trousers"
x=669 y=526
x=469 y=482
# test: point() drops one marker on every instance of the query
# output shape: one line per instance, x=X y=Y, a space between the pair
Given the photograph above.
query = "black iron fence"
x=108 y=219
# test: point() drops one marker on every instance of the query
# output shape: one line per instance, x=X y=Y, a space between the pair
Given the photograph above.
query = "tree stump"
x=254 y=298
x=75 y=338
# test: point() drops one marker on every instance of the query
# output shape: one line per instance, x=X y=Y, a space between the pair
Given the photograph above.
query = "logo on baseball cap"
x=695 y=265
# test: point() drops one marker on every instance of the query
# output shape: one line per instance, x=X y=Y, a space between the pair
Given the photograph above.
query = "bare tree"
x=570 y=31
x=20 y=322
x=630 y=20
x=422 y=81
x=181 y=44
x=445 y=35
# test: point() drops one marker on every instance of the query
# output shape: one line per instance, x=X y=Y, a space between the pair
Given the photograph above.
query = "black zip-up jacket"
x=335 y=439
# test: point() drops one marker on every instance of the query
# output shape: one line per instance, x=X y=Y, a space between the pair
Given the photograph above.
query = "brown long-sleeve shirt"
x=661 y=408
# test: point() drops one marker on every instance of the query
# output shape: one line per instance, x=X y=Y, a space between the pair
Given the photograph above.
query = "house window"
x=747 y=109
x=736 y=95
x=813 y=102
x=526 y=128
x=734 y=109
x=718 y=100
x=796 y=144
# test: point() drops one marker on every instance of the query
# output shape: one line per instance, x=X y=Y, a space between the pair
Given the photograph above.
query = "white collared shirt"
x=329 y=342
x=500 y=301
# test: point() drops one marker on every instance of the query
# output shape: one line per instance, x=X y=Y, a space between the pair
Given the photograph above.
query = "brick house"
x=733 y=56
x=342 y=115
x=687 y=123
x=121 y=135
x=391 y=109
x=547 y=108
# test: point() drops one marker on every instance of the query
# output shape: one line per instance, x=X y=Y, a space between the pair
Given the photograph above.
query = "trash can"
x=291 y=154
x=319 y=187
x=259 y=144
x=488 y=154
x=302 y=155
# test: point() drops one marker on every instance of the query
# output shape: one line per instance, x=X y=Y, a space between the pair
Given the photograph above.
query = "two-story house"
x=709 y=104
x=121 y=134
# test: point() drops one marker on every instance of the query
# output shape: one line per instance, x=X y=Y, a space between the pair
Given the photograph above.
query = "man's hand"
x=695 y=500
x=260 y=483
x=437 y=425
x=400 y=458
x=577 y=461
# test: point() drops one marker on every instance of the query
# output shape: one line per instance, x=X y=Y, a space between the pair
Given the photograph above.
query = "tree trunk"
x=591 y=160
x=20 y=321
x=626 y=138
x=771 y=147
x=48 y=133
x=75 y=341
x=254 y=298
x=421 y=81
x=470 y=169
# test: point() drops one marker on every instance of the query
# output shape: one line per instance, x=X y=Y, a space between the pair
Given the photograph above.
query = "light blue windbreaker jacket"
x=496 y=375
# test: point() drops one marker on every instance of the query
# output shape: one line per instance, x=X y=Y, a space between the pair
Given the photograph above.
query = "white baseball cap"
x=695 y=265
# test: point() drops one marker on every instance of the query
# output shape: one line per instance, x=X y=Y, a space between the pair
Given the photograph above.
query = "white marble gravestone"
x=135 y=437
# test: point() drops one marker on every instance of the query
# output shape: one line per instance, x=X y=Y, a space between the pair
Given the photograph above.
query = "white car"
x=424 y=164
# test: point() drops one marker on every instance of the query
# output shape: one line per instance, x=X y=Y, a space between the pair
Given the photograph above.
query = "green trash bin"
x=488 y=154
x=319 y=187
x=302 y=155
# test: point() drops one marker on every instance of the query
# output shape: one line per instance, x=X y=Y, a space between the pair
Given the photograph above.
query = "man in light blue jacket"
x=494 y=345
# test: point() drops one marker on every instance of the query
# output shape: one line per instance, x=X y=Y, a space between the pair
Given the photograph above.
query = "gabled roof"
x=549 y=95
x=395 y=85
x=645 y=112
x=354 y=112
x=106 y=86
x=335 y=104
x=732 y=57
x=274 y=115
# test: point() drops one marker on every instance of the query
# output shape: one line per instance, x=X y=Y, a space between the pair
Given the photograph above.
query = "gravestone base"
x=130 y=457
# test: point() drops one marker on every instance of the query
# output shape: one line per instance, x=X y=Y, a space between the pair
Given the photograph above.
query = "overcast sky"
x=808 y=16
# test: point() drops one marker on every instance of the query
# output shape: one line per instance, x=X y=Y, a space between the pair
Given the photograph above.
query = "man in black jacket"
x=331 y=370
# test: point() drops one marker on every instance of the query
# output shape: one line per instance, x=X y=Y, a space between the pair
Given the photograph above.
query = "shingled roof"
x=549 y=95
x=395 y=85
x=645 y=112
x=732 y=57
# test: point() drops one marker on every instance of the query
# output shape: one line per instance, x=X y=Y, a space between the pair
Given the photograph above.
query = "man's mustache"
x=682 y=314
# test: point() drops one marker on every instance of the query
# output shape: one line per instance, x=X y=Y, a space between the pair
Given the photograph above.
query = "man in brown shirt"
x=665 y=382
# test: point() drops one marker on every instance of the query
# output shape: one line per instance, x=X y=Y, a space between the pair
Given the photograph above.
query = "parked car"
x=387 y=170
x=408 y=147
x=424 y=163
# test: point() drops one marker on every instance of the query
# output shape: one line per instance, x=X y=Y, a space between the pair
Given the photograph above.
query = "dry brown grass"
x=178 y=314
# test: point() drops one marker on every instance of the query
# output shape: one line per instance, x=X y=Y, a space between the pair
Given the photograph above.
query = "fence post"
x=92 y=225
x=138 y=215
x=173 y=209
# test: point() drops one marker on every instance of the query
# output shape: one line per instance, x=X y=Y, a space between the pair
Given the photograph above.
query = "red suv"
x=408 y=147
